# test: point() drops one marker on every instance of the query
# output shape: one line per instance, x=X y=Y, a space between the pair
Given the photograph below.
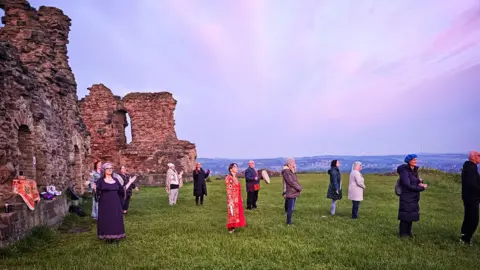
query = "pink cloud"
x=466 y=25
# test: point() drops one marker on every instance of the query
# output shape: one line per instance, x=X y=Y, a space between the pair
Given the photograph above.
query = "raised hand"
x=132 y=179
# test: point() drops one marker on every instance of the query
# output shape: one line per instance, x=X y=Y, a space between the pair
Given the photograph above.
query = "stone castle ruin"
x=42 y=134
x=154 y=140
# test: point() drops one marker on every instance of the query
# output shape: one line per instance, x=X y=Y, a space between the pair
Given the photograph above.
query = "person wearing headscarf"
x=470 y=196
x=173 y=182
x=108 y=190
x=235 y=211
x=411 y=186
x=97 y=164
x=356 y=186
x=335 y=187
x=291 y=186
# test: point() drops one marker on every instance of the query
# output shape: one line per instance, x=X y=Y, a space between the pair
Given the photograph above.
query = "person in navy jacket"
x=252 y=180
x=412 y=185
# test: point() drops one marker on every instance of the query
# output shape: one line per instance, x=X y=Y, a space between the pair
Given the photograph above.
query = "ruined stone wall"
x=154 y=140
x=98 y=110
x=41 y=132
x=152 y=115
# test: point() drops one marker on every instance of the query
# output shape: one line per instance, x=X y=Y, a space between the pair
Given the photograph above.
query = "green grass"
x=188 y=237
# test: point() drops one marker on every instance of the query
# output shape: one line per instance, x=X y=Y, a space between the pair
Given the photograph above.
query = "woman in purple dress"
x=108 y=189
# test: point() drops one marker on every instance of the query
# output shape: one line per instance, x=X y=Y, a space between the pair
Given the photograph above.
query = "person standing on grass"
x=108 y=189
x=356 y=186
x=470 y=196
x=253 y=185
x=335 y=188
x=128 y=192
x=235 y=212
x=411 y=186
x=173 y=184
x=199 y=184
x=292 y=187
x=96 y=174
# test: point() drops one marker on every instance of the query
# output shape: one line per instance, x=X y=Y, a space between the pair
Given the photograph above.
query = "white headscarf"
x=355 y=165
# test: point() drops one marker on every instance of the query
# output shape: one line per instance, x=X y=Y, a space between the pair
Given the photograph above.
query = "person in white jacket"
x=356 y=187
x=173 y=182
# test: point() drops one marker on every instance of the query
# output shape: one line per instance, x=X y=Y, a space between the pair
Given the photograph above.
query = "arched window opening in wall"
x=77 y=171
x=122 y=127
x=26 y=146
x=128 y=129
x=2 y=13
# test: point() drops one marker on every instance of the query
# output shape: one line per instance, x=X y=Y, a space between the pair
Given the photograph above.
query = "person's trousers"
x=470 y=219
x=252 y=197
x=173 y=196
x=405 y=228
x=333 y=207
x=199 y=198
x=94 y=209
x=286 y=206
x=290 y=208
x=126 y=203
x=355 y=206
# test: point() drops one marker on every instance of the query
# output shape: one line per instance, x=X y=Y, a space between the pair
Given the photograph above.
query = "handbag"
x=398 y=188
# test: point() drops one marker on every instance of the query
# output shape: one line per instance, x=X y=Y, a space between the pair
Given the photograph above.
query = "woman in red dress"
x=236 y=217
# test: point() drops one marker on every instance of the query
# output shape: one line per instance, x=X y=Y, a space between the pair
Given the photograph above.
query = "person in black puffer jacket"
x=411 y=185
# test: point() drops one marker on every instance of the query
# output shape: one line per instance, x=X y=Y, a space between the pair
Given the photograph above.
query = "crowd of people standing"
x=112 y=193
x=408 y=188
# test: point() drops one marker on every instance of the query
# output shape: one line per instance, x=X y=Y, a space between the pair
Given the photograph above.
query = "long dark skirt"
x=110 y=215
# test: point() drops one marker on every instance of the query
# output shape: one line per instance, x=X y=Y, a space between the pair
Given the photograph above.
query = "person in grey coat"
x=292 y=187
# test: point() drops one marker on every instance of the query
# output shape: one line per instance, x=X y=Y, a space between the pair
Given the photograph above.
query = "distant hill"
x=371 y=164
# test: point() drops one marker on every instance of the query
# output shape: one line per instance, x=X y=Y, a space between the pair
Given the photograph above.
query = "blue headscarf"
x=409 y=157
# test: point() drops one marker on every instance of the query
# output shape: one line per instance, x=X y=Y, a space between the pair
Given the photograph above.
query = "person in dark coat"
x=470 y=196
x=128 y=192
x=291 y=187
x=411 y=185
x=335 y=188
x=199 y=184
x=252 y=180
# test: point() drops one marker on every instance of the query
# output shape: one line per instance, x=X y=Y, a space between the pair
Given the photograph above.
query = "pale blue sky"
x=292 y=78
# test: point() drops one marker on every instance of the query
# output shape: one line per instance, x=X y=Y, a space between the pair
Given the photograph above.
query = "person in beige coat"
x=173 y=183
x=356 y=187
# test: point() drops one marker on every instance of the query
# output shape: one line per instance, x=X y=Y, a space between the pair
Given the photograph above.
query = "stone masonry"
x=154 y=140
x=41 y=132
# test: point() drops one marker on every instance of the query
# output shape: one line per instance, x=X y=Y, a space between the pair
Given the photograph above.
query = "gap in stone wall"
x=2 y=13
x=27 y=152
x=128 y=129
x=122 y=128
x=78 y=171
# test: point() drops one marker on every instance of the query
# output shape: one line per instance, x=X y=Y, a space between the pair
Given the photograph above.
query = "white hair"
x=290 y=160
x=170 y=165
x=356 y=164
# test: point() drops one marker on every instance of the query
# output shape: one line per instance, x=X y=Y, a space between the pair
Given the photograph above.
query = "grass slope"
x=190 y=237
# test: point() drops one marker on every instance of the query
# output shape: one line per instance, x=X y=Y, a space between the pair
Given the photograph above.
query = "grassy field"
x=188 y=237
